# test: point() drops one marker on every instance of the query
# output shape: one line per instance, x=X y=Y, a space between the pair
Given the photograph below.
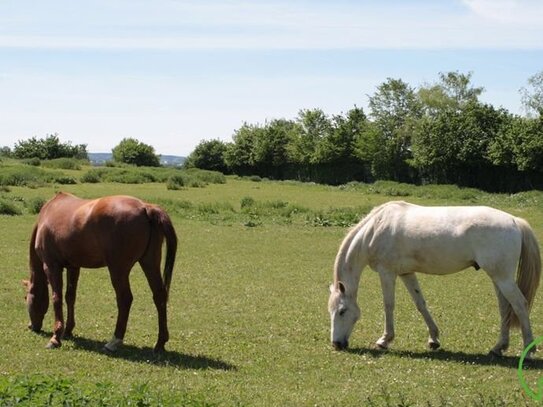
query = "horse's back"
x=442 y=240
x=92 y=233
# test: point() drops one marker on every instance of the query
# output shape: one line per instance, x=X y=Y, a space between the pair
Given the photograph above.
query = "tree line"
x=437 y=133
x=128 y=151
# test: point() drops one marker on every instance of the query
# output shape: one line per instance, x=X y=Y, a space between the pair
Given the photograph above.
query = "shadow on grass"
x=452 y=356
x=145 y=355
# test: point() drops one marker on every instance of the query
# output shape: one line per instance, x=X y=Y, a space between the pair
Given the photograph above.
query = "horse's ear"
x=341 y=287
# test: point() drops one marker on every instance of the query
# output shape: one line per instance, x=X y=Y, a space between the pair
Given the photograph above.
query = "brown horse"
x=115 y=231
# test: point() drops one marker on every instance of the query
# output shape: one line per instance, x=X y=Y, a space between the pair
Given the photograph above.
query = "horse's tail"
x=32 y=255
x=529 y=268
x=163 y=223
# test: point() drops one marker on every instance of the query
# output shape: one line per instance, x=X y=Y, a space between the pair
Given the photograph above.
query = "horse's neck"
x=351 y=260
x=351 y=271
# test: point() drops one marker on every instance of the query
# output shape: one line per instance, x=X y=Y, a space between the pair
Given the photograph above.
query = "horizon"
x=173 y=73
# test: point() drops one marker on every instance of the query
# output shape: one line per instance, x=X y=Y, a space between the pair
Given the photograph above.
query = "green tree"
x=532 y=97
x=48 y=148
x=519 y=144
x=453 y=92
x=453 y=147
x=5 y=152
x=271 y=149
x=395 y=108
x=134 y=152
x=313 y=126
x=240 y=154
x=208 y=155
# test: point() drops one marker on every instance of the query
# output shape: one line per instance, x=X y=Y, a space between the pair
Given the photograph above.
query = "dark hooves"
x=434 y=345
x=159 y=350
x=34 y=329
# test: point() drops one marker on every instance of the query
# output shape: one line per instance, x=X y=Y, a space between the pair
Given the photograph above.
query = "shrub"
x=247 y=202
x=9 y=208
x=175 y=182
x=91 y=177
x=206 y=176
x=132 y=151
x=34 y=205
x=63 y=164
x=24 y=176
x=34 y=161
x=64 y=180
x=129 y=177
x=342 y=217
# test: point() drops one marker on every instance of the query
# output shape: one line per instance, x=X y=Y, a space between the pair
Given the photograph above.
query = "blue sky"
x=171 y=73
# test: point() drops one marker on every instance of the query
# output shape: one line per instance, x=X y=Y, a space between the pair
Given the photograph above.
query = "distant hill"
x=102 y=158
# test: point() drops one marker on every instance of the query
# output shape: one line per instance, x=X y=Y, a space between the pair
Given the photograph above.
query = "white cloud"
x=511 y=12
x=178 y=25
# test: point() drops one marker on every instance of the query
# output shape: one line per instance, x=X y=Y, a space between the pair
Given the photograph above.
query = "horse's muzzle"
x=340 y=345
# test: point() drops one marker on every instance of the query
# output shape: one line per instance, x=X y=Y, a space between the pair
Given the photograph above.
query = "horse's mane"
x=346 y=243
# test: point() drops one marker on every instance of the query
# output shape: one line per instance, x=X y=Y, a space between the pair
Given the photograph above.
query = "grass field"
x=248 y=309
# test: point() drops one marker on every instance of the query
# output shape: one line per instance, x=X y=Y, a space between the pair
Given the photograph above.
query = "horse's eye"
x=342 y=312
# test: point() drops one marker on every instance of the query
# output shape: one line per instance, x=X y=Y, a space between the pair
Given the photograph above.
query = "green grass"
x=247 y=312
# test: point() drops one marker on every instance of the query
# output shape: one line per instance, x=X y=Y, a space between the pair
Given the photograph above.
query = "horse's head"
x=37 y=302
x=344 y=312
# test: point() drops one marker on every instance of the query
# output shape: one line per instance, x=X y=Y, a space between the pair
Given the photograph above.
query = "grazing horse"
x=114 y=231
x=399 y=239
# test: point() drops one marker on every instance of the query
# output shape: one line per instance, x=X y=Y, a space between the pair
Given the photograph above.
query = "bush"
x=206 y=176
x=132 y=151
x=247 y=202
x=9 y=208
x=175 y=182
x=93 y=176
x=342 y=217
x=129 y=177
x=64 y=180
x=48 y=148
x=34 y=161
x=63 y=164
x=34 y=205
x=24 y=176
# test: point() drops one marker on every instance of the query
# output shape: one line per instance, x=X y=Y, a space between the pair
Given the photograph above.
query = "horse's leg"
x=503 y=341
x=514 y=296
x=151 y=269
x=54 y=276
x=72 y=277
x=121 y=285
x=388 y=285
x=412 y=284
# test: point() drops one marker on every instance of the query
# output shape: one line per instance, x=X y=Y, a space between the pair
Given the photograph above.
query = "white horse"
x=399 y=239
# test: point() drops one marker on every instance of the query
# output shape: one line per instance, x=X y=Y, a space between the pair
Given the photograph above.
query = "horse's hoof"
x=33 y=328
x=434 y=345
x=108 y=351
x=52 y=344
x=497 y=353
x=381 y=346
x=158 y=350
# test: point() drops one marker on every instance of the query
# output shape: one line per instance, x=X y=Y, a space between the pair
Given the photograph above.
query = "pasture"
x=248 y=312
